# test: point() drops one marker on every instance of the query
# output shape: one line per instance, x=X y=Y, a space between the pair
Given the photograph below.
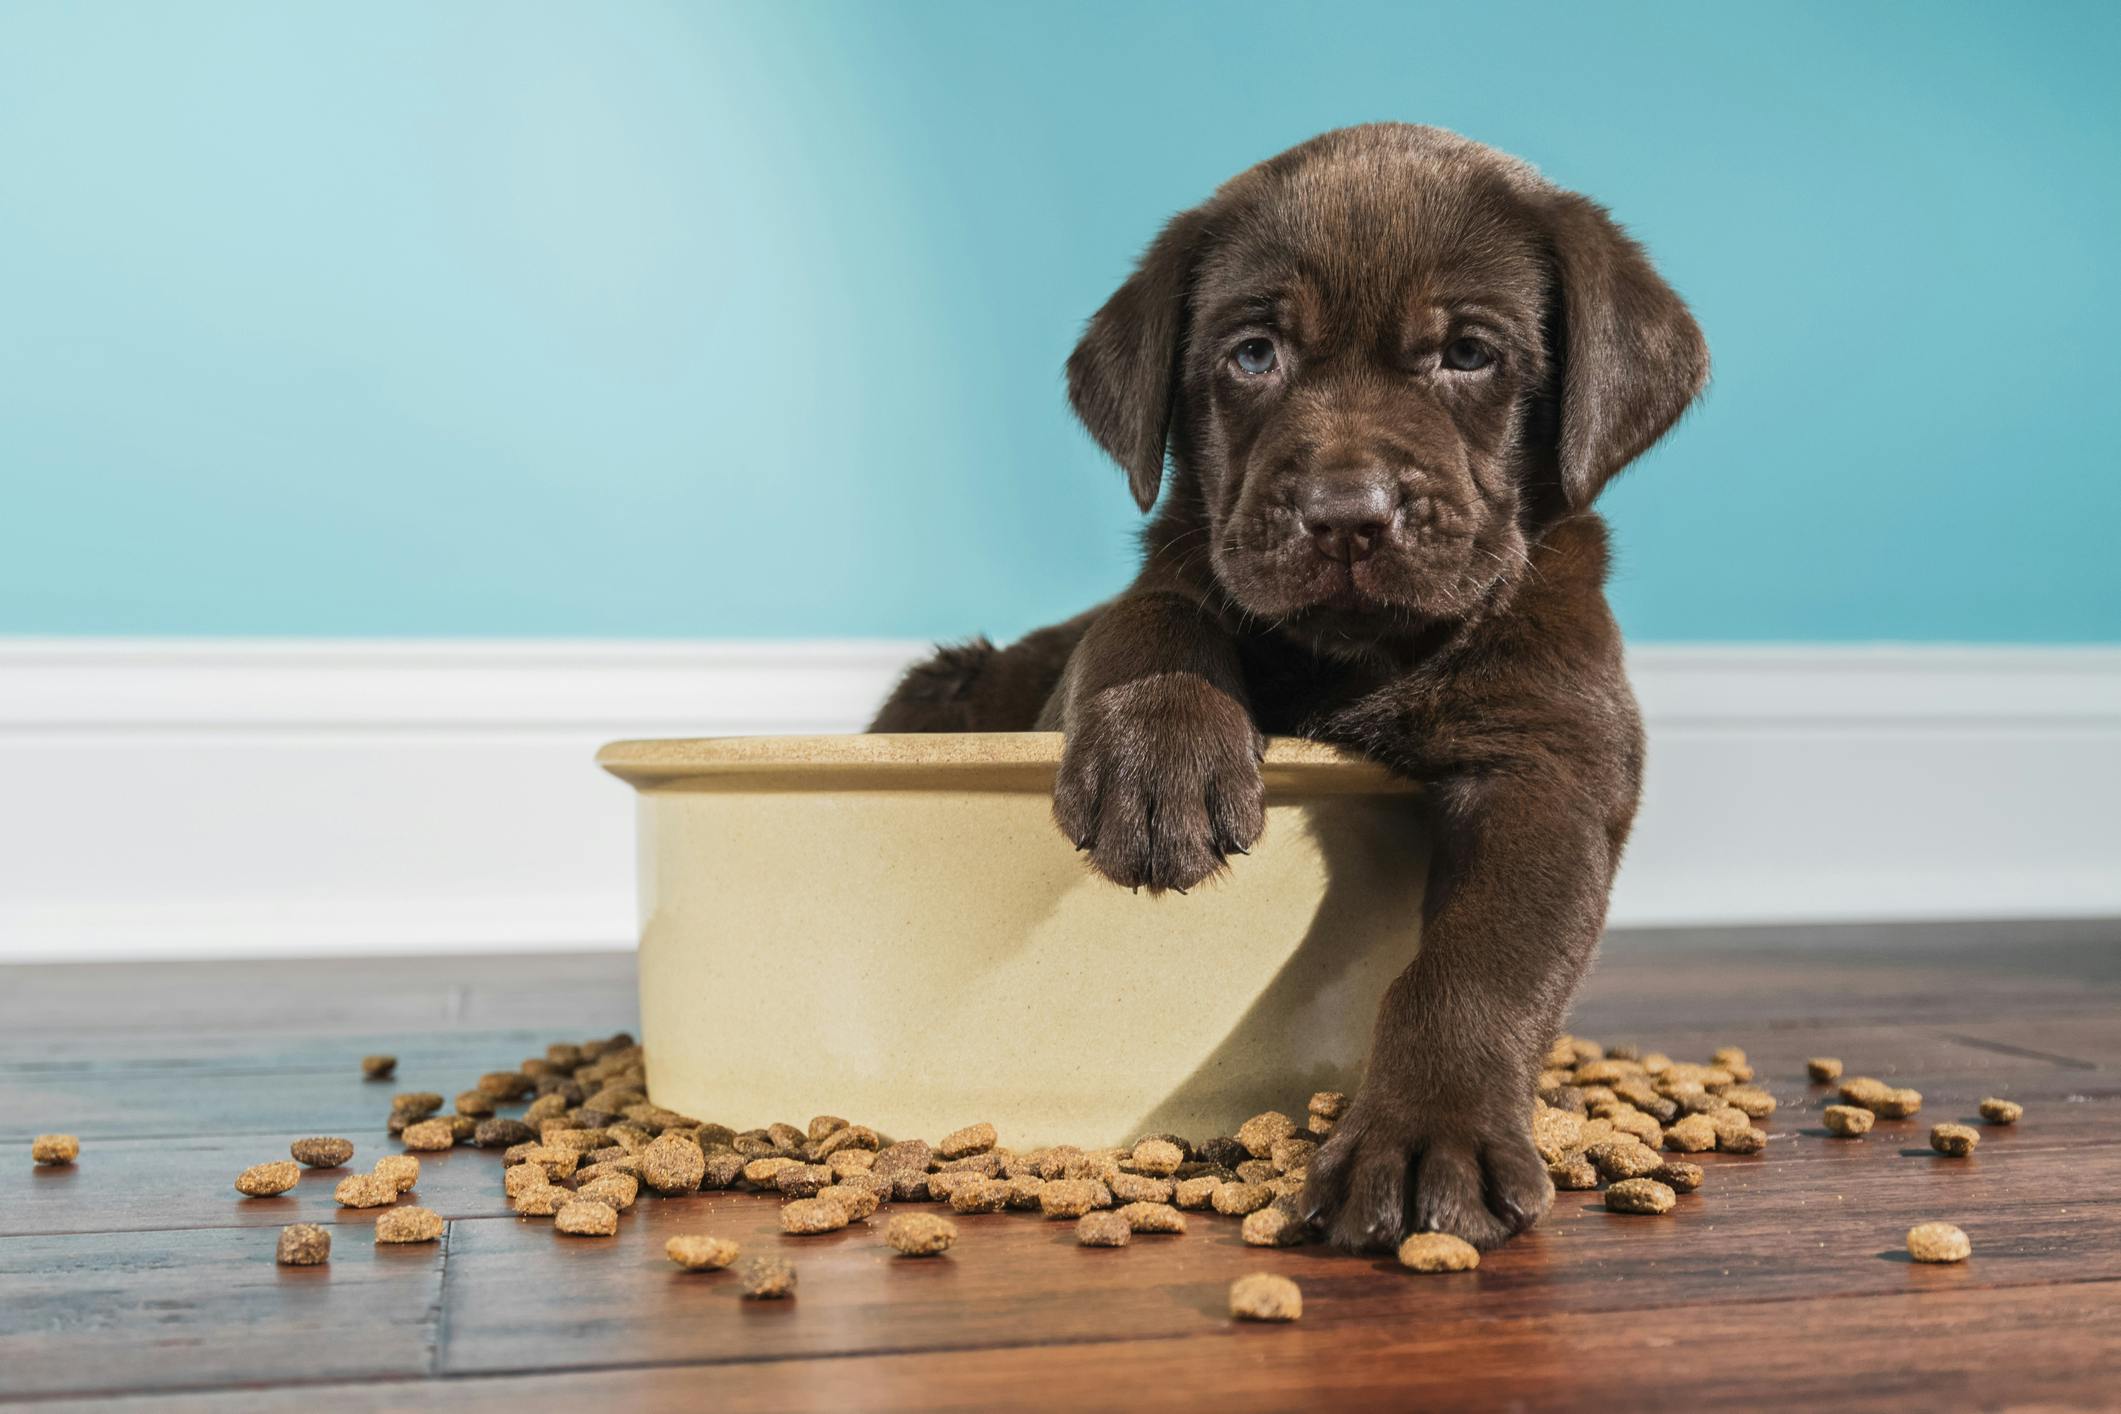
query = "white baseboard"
x=249 y=798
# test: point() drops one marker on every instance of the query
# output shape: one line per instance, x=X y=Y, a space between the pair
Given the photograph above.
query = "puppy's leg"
x=1159 y=780
x=975 y=687
x=1437 y=1139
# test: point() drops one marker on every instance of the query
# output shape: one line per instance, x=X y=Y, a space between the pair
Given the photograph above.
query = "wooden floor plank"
x=166 y=1310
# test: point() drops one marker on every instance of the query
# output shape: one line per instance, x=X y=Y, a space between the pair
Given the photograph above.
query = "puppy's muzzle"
x=1347 y=516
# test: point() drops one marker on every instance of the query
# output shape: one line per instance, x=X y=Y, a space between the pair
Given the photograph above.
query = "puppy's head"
x=1381 y=362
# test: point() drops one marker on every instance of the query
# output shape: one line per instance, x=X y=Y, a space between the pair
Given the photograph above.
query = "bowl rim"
x=936 y=760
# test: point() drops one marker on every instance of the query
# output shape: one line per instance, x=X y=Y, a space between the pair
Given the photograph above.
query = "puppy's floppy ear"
x=1122 y=374
x=1631 y=356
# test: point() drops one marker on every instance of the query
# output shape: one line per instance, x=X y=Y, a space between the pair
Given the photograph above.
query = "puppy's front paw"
x=1159 y=782
x=1393 y=1167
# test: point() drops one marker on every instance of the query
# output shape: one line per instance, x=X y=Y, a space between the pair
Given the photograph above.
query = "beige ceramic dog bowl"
x=892 y=929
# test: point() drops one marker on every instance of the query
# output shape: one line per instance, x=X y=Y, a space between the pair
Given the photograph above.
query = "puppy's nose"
x=1347 y=518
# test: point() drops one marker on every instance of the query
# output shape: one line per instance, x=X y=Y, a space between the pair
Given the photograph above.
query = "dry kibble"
x=1292 y=1155
x=1574 y=1174
x=400 y=1171
x=410 y=1105
x=1272 y=1227
x=724 y=1167
x=802 y=1180
x=1897 y=1104
x=1938 y=1242
x=859 y=1199
x=1623 y=1158
x=543 y=1200
x=1026 y=1193
x=1438 y=1252
x=616 y=1191
x=1640 y=1195
x=1138 y=1188
x=1957 y=1140
x=761 y=1173
x=1235 y=1200
x=475 y=1103
x=1823 y=1069
x=521 y=1178
x=920 y=1234
x=2001 y=1111
x=1152 y=1217
x=502 y=1133
x=972 y=1139
x=1195 y=1193
x=1262 y=1296
x=813 y=1215
x=977 y=1194
x=379 y=1067
x=1692 y=1135
x=430 y=1135
x=409 y=1225
x=845 y=1162
x=908 y=1156
x=1328 y=1104
x=698 y=1253
x=1863 y=1089
x=1257 y=1171
x=986 y=1165
x=303 y=1245
x=1103 y=1230
x=321 y=1153
x=268 y=1180
x=766 y=1278
x=1555 y=1132
x=1158 y=1158
x=1069 y=1197
x=506 y=1084
x=586 y=1218
x=53 y=1150
x=1224 y=1151
x=1757 y=1103
x=1258 y=1133
x=1848 y=1121
x=1741 y=1139
x=365 y=1190
x=1678 y=1175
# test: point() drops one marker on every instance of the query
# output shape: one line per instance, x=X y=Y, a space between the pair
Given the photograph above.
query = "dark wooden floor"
x=140 y=1274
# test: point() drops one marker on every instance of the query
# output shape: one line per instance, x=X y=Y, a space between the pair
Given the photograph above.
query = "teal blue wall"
x=647 y=319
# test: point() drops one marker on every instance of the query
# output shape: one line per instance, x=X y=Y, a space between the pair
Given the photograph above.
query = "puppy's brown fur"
x=1392 y=369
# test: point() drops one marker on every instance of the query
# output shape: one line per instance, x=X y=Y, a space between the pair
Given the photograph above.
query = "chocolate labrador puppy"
x=1391 y=369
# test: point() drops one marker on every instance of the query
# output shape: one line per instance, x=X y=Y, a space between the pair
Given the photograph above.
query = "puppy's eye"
x=1254 y=356
x=1467 y=355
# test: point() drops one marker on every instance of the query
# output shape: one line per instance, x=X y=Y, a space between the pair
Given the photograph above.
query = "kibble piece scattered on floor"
x=1139 y=1188
x=1677 y=1175
x=807 y=1216
x=1741 y=1139
x=1756 y=1102
x=1848 y=1121
x=696 y=1252
x=430 y=1135
x=587 y=1218
x=379 y=1067
x=1273 y=1227
x=269 y=1180
x=1195 y=1193
x=400 y=1171
x=1574 y=1174
x=1640 y=1195
x=365 y=1190
x=1263 y=1296
x=1258 y=1133
x=475 y=1103
x=506 y=1084
x=761 y=1173
x=321 y=1152
x=502 y=1133
x=1236 y=1200
x=1438 y=1252
x=1624 y=1157
x=1158 y=1158
x=52 y=1150
x=1956 y=1140
x=859 y=1199
x=1152 y=1217
x=976 y=1194
x=1938 y=1242
x=972 y=1139
x=1293 y=1155
x=1103 y=1230
x=1823 y=1069
x=920 y=1234
x=1069 y=1197
x=411 y=1105
x=1997 y=1111
x=541 y=1200
x=1862 y=1089
x=616 y=1191
x=1692 y=1135
x=766 y=1279
x=303 y=1245
x=673 y=1165
x=408 y=1225
x=1897 y=1104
